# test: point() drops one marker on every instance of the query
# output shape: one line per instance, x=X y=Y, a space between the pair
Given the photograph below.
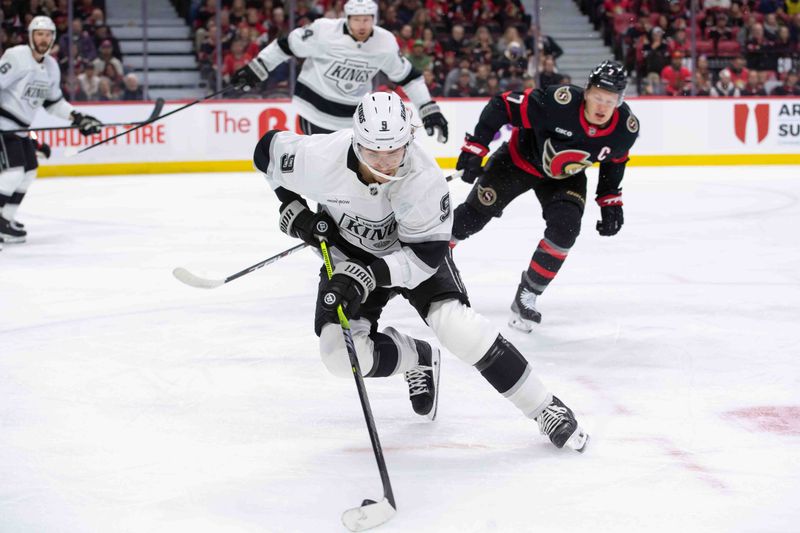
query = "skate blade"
x=520 y=324
x=10 y=239
x=578 y=440
x=436 y=364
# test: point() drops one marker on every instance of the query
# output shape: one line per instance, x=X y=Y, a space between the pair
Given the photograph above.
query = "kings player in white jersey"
x=342 y=56
x=29 y=79
x=384 y=207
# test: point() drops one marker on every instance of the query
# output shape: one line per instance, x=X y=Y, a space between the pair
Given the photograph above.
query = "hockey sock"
x=9 y=182
x=545 y=264
x=9 y=210
x=385 y=356
x=393 y=353
x=507 y=370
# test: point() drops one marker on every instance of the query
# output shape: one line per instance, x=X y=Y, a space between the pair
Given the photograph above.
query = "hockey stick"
x=193 y=280
x=71 y=153
x=159 y=105
x=370 y=513
x=184 y=276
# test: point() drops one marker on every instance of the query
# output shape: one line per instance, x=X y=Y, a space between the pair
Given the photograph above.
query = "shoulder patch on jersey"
x=563 y=95
x=487 y=195
x=287 y=163
x=444 y=205
x=633 y=124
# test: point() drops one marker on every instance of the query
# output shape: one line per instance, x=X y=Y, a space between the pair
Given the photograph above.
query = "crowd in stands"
x=436 y=36
x=464 y=48
x=482 y=47
x=743 y=47
x=98 y=73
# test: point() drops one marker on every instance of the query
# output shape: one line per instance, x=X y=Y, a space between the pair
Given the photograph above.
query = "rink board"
x=220 y=135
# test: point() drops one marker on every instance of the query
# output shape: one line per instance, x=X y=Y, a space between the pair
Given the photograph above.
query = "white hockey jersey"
x=26 y=85
x=391 y=221
x=338 y=70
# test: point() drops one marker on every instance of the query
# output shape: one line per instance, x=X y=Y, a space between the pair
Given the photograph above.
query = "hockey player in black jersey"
x=557 y=133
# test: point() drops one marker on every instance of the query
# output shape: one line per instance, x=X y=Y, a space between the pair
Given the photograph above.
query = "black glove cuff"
x=360 y=273
x=289 y=215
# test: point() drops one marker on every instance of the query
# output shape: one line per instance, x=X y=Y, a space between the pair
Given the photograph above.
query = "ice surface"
x=132 y=403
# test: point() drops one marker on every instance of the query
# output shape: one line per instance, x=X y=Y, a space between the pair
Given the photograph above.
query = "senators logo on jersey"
x=563 y=164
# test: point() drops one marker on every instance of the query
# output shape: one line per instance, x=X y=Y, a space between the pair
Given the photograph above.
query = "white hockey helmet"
x=41 y=23
x=382 y=123
x=361 y=7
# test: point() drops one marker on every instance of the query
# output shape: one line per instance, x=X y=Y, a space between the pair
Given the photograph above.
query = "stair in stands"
x=583 y=45
x=172 y=70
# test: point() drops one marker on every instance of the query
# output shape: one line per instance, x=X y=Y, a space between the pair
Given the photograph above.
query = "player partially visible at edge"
x=557 y=133
x=29 y=79
x=342 y=56
x=384 y=206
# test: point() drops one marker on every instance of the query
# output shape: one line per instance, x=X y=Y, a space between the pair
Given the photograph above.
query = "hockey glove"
x=611 y=213
x=42 y=149
x=87 y=124
x=471 y=159
x=250 y=75
x=297 y=220
x=433 y=119
x=351 y=283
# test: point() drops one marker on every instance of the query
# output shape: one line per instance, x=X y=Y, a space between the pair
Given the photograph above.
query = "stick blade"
x=186 y=277
x=159 y=105
x=369 y=515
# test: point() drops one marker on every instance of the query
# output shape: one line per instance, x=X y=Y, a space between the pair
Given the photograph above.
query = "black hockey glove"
x=250 y=75
x=471 y=159
x=433 y=119
x=611 y=212
x=87 y=124
x=351 y=283
x=42 y=149
x=299 y=221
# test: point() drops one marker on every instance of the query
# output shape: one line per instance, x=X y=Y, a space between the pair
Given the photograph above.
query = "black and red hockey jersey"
x=551 y=138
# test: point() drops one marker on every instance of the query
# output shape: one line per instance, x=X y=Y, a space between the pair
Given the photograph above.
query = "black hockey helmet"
x=609 y=75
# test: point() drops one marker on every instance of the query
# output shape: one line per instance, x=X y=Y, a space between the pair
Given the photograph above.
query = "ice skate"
x=423 y=381
x=9 y=233
x=558 y=422
x=523 y=308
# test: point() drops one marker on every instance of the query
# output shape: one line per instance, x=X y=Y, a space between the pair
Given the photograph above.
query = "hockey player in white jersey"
x=29 y=79
x=384 y=207
x=342 y=56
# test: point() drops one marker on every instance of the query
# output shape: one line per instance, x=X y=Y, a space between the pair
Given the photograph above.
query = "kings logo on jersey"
x=35 y=93
x=350 y=76
x=563 y=164
x=374 y=236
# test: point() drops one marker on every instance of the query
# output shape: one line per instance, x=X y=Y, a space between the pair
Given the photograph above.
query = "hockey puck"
x=368 y=502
